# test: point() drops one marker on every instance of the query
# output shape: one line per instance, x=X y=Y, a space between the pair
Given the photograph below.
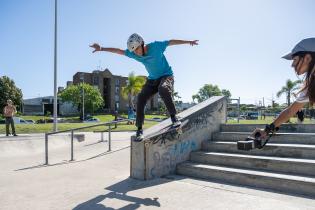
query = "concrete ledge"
x=158 y=156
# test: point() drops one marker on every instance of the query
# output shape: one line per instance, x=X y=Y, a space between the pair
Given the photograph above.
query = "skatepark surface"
x=99 y=179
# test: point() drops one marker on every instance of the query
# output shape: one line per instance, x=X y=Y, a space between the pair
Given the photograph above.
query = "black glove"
x=271 y=128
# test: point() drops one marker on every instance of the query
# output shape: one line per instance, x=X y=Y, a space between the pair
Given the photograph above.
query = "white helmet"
x=134 y=41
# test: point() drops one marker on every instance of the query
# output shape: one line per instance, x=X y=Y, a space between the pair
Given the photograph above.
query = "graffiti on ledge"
x=165 y=161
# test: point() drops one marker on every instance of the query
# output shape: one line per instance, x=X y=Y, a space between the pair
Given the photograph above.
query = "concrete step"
x=272 y=181
x=286 y=138
x=285 y=128
x=271 y=149
x=304 y=167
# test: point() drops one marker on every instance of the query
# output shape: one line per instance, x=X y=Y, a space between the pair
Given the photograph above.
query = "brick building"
x=110 y=87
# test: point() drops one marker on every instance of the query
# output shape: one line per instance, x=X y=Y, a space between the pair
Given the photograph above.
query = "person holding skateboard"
x=160 y=79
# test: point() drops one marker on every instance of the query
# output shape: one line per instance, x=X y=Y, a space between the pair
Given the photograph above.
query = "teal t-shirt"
x=154 y=61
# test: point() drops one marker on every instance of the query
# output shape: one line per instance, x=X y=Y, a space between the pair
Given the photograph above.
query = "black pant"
x=164 y=86
x=9 y=121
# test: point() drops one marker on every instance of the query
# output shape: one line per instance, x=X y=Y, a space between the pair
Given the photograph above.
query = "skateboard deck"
x=169 y=130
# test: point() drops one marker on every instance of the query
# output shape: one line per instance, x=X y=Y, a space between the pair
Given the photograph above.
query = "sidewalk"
x=99 y=180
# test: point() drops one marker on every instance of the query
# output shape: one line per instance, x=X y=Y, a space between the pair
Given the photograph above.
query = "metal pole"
x=109 y=138
x=46 y=149
x=55 y=71
x=71 y=145
x=83 y=101
x=82 y=78
x=238 y=107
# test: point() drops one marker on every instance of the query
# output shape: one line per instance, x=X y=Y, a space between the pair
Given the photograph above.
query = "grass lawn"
x=43 y=128
x=268 y=120
x=102 y=118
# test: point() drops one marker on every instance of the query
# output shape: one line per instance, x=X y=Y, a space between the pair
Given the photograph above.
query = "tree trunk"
x=288 y=98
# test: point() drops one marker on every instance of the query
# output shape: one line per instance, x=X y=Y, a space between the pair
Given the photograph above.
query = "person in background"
x=9 y=111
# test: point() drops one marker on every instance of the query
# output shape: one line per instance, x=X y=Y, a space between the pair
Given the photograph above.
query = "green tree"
x=8 y=90
x=289 y=89
x=209 y=90
x=177 y=98
x=226 y=93
x=133 y=87
x=161 y=107
x=74 y=94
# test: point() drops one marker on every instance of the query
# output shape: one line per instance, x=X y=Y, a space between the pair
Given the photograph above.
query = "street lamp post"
x=82 y=79
x=55 y=70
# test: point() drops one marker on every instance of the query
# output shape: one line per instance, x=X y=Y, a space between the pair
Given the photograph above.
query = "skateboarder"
x=303 y=62
x=160 y=79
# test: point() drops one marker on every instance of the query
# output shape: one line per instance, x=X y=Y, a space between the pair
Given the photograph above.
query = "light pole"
x=82 y=79
x=55 y=71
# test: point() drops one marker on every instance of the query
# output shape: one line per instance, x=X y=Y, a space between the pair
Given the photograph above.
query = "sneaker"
x=15 y=134
x=176 y=124
x=175 y=121
x=7 y=134
x=139 y=136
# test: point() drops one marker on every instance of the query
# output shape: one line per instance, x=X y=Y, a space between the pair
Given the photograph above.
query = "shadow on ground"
x=72 y=162
x=119 y=191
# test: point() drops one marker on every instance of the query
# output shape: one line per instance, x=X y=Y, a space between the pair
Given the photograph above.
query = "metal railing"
x=109 y=124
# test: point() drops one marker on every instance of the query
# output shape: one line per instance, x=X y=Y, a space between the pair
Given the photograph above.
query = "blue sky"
x=241 y=42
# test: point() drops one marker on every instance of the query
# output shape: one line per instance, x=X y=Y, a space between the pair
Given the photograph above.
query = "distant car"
x=157 y=119
x=91 y=120
x=30 y=121
x=252 y=116
x=18 y=120
x=51 y=120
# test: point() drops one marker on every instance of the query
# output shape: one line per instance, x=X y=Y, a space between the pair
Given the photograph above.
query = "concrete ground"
x=99 y=180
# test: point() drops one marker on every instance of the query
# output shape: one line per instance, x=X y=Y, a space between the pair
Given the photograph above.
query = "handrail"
x=90 y=126
x=84 y=127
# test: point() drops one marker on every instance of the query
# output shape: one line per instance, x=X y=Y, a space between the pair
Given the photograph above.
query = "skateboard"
x=169 y=130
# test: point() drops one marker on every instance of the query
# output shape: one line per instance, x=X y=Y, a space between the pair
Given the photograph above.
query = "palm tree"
x=133 y=87
x=289 y=89
x=176 y=96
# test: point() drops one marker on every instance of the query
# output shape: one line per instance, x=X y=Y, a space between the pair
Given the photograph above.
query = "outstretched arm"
x=177 y=42
x=98 y=48
x=289 y=112
x=284 y=116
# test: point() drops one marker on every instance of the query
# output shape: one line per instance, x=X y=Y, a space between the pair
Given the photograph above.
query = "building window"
x=117 y=105
x=117 y=90
x=95 y=80
x=117 y=82
x=116 y=98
